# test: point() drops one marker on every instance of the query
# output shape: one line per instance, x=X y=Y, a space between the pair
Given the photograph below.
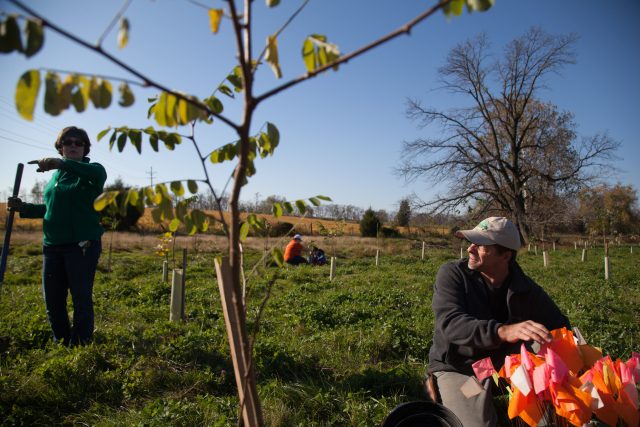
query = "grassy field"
x=328 y=353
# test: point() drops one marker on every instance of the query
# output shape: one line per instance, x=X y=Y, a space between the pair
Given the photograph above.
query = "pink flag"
x=557 y=369
x=634 y=366
x=525 y=359
x=483 y=368
x=540 y=378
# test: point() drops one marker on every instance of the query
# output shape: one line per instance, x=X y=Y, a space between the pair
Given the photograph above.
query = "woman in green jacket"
x=72 y=234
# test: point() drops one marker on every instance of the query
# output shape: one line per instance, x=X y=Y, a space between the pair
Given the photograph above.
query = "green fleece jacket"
x=67 y=212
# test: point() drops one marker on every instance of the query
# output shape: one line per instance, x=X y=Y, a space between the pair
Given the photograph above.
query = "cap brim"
x=475 y=236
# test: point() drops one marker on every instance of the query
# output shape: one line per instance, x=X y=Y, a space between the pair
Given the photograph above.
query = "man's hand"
x=524 y=331
x=14 y=203
x=47 y=164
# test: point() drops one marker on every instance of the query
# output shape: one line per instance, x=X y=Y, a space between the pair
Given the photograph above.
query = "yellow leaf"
x=104 y=200
x=272 y=56
x=215 y=15
x=27 y=93
x=123 y=33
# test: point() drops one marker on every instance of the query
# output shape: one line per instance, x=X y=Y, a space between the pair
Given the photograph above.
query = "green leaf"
x=315 y=201
x=244 y=231
x=192 y=186
x=167 y=208
x=235 y=78
x=112 y=140
x=27 y=93
x=215 y=16
x=160 y=110
x=105 y=199
x=122 y=141
x=274 y=135
x=276 y=208
x=214 y=104
x=126 y=95
x=103 y=133
x=10 y=38
x=171 y=105
x=153 y=141
x=177 y=188
x=200 y=219
x=288 y=207
x=317 y=52
x=123 y=33
x=454 y=7
x=226 y=90
x=35 y=37
x=302 y=207
x=174 y=224
x=190 y=226
x=80 y=93
x=273 y=3
x=325 y=198
x=187 y=111
x=51 y=99
x=156 y=214
x=479 y=5
x=277 y=256
x=100 y=93
x=181 y=210
x=133 y=197
x=136 y=139
x=308 y=55
x=271 y=56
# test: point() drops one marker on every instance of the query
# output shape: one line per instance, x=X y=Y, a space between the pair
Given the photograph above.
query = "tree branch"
x=405 y=29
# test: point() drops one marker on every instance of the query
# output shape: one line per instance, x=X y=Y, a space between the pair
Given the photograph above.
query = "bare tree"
x=499 y=152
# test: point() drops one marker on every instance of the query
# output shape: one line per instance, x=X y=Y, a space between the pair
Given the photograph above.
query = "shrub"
x=369 y=224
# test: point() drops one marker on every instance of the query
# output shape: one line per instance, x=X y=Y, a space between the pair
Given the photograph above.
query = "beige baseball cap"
x=495 y=230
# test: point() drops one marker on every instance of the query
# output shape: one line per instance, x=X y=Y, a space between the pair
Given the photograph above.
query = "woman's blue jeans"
x=70 y=268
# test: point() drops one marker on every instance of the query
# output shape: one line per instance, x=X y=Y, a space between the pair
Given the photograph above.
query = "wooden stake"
x=545 y=258
x=377 y=257
x=606 y=268
x=184 y=282
x=554 y=246
x=176 y=309
x=535 y=249
x=461 y=253
x=234 y=318
x=584 y=254
x=332 y=270
x=422 y=250
x=575 y=246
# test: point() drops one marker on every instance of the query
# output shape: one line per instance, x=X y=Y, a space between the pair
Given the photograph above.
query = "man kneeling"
x=485 y=306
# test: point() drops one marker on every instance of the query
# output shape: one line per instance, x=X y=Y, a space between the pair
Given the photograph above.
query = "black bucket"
x=421 y=414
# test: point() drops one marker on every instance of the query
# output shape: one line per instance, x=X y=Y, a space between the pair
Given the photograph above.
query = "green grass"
x=341 y=352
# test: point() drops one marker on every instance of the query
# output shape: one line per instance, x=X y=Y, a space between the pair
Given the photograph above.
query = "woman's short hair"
x=73 y=132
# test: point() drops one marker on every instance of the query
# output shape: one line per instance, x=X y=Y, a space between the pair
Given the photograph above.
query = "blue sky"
x=341 y=132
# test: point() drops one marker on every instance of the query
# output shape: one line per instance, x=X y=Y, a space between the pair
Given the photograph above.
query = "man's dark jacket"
x=465 y=331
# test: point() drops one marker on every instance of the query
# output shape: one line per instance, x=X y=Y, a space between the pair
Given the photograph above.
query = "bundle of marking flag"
x=569 y=381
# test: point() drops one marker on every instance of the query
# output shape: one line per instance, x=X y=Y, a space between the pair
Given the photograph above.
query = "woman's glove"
x=14 y=203
x=47 y=164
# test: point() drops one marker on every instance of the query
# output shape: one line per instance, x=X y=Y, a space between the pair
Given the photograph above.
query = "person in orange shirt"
x=293 y=251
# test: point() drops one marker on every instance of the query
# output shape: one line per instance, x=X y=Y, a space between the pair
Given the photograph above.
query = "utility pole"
x=150 y=173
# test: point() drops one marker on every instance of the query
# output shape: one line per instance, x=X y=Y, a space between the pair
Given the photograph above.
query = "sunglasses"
x=76 y=142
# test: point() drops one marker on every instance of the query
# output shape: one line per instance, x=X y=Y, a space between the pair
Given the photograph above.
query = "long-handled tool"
x=9 y=224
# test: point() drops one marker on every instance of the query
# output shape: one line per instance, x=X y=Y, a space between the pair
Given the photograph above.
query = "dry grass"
x=306 y=226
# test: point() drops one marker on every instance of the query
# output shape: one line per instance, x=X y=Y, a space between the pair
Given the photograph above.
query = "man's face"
x=486 y=259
